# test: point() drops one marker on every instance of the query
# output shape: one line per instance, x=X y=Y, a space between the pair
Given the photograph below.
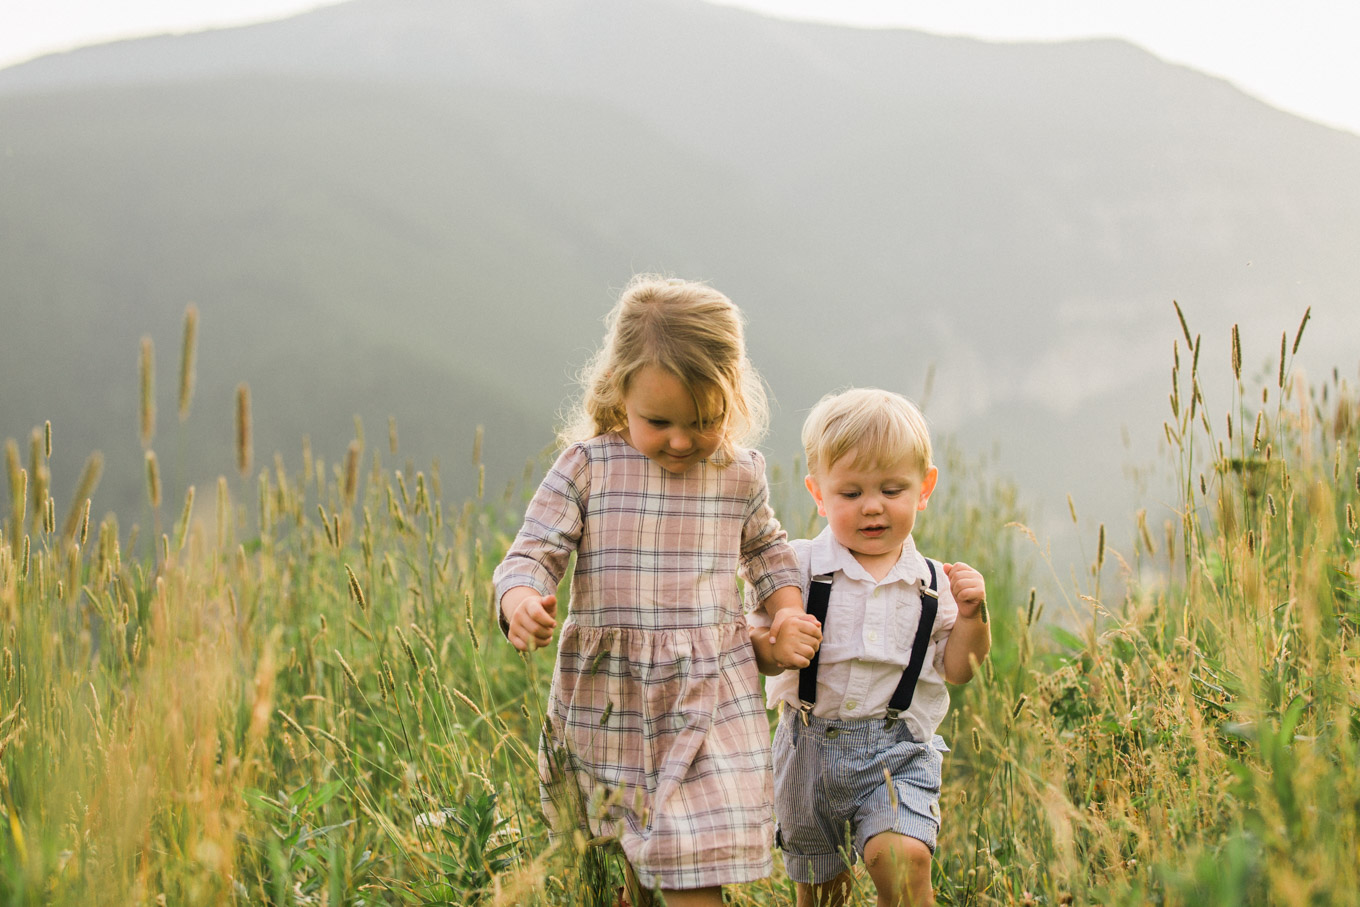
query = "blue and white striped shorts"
x=831 y=795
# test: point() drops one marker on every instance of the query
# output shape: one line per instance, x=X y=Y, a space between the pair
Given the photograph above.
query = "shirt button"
x=851 y=705
x=873 y=636
x=833 y=733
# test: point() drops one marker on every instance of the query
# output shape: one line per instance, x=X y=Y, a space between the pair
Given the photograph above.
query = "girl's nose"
x=681 y=441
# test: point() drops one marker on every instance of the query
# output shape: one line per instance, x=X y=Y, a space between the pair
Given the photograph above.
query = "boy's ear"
x=927 y=486
x=815 y=490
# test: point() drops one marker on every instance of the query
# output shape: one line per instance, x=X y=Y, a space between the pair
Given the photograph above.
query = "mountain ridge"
x=1016 y=218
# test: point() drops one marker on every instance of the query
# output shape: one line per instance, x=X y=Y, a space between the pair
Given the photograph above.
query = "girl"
x=656 y=733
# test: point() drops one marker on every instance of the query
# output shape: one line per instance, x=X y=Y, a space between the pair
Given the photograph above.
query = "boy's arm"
x=971 y=638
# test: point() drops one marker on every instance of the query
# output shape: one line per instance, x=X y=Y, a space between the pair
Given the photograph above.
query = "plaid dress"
x=656 y=731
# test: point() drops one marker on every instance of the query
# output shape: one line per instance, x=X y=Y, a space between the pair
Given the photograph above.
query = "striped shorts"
x=831 y=793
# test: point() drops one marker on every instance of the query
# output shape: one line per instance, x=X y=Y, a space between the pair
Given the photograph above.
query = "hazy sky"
x=1301 y=56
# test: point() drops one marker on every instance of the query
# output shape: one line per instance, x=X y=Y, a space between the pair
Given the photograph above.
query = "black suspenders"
x=819 y=593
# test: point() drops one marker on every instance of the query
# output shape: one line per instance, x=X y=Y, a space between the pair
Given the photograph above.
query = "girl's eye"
x=657 y=423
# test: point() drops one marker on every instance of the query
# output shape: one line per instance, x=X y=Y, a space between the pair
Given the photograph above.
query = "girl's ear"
x=927 y=486
x=815 y=490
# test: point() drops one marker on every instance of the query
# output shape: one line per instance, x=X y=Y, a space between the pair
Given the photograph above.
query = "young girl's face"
x=663 y=422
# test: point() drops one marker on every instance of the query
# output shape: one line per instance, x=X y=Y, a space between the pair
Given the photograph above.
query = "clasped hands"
x=794 y=637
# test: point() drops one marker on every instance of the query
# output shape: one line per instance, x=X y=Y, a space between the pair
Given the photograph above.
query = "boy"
x=868 y=706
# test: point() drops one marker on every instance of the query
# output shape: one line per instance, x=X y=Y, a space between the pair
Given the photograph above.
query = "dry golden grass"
x=305 y=700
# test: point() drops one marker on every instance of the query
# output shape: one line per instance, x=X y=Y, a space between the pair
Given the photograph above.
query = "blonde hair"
x=688 y=329
x=879 y=426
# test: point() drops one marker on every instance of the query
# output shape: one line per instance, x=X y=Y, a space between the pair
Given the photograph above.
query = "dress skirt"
x=659 y=738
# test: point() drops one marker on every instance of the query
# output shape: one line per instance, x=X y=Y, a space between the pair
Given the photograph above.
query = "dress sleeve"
x=767 y=560
x=551 y=531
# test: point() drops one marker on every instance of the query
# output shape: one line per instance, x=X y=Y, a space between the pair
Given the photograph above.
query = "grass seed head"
x=146 y=369
x=1185 y=328
x=80 y=501
x=356 y=592
x=348 y=671
x=1299 y=335
x=244 y=443
x=153 y=480
x=1284 y=338
x=187 y=353
x=351 y=487
x=1236 y=353
x=410 y=652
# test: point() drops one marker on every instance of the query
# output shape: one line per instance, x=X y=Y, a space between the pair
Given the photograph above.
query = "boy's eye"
x=850 y=495
x=892 y=492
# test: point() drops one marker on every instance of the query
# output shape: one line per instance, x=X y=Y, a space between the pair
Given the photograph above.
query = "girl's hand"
x=796 y=637
x=532 y=618
x=969 y=590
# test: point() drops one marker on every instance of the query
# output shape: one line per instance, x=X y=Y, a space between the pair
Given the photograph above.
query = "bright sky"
x=1300 y=56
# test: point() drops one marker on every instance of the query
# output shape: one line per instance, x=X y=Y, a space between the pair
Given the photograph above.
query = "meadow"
x=289 y=688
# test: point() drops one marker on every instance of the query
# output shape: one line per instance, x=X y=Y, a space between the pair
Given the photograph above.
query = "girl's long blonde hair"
x=690 y=330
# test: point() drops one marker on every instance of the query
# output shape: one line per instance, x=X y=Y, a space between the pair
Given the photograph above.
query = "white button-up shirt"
x=867 y=637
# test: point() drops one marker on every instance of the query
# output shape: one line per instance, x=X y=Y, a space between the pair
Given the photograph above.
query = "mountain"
x=424 y=208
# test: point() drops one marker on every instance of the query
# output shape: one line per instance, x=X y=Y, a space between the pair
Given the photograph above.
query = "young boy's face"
x=871 y=509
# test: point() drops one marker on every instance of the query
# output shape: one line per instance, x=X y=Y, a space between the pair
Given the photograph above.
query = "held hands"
x=795 y=636
x=968 y=589
x=532 y=618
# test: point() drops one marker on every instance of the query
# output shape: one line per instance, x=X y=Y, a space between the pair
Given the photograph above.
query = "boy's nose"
x=872 y=503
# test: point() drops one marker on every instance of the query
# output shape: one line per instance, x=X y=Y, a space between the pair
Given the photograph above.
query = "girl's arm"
x=971 y=638
x=774 y=579
x=529 y=618
x=537 y=559
x=792 y=637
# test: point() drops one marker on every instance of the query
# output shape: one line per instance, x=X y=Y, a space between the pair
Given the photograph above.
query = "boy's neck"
x=879 y=565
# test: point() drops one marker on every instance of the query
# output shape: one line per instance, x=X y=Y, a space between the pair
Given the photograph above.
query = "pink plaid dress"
x=656 y=731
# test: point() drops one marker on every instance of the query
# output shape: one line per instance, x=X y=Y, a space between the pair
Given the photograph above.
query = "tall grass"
x=294 y=692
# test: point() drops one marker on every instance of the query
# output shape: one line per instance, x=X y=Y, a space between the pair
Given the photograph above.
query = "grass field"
x=288 y=689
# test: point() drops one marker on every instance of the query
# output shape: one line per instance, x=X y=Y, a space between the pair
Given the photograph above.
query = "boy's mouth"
x=873 y=531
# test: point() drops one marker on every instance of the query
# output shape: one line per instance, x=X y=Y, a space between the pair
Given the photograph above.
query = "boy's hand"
x=532 y=618
x=968 y=589
x=796 y=636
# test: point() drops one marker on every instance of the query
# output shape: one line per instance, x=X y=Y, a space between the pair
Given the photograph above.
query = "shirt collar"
x=827 y=555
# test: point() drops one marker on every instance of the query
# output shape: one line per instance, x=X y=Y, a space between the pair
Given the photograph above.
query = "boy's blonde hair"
x=881 y=427
x=688 y=329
